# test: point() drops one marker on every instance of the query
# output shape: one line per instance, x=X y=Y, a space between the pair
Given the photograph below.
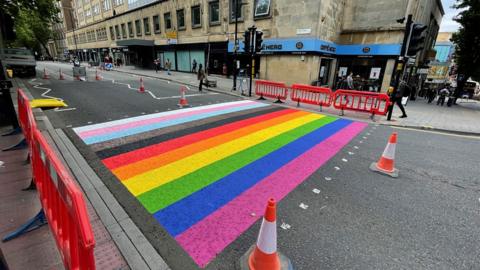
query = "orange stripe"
x=163 y=159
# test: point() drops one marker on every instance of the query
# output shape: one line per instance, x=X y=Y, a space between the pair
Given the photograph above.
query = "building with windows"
x=57 y=45
x=304 y=41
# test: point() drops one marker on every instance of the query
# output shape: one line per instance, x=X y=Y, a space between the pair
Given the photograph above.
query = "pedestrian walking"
x=200 y=77
x=402 y=89
x=444 y=92
x=156 y=65
x=168 y=66
x=194 y=66
x=350 y=81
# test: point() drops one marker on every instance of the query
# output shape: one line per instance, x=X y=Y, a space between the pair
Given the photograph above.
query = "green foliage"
x=467 y=39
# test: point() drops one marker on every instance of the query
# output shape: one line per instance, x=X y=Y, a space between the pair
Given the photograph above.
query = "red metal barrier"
x=61 y=198
x=302 y=93
x=271 y=89
x=374 y=103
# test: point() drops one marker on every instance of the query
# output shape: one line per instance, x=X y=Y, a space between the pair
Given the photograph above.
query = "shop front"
x=135 y=52
x=182 y=56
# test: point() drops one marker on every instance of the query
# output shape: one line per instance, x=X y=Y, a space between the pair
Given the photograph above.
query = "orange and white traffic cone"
x=97 y=76
x=45 y=74
x=142 y=87
x=183 y=99
x=264 y=255
x=60 y=74
x=386 y=163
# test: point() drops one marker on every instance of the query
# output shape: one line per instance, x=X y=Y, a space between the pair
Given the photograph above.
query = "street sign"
x=422 y=71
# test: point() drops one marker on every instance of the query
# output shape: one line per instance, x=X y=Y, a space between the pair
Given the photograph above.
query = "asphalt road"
x=354 y=219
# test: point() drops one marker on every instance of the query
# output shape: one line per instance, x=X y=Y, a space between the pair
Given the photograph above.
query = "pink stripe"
x=101 y=131
x=204 y=240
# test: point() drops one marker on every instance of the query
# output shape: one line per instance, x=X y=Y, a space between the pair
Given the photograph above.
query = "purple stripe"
x=207 y=238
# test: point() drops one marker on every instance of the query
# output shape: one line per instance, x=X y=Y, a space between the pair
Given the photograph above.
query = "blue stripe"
x=178 y=217
x=145 y=128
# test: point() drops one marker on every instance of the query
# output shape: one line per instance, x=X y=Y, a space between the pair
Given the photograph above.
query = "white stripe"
x=389 y=151
x=267 y=238
x=150 y=116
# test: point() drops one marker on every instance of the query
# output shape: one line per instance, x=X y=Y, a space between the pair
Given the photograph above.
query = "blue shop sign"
x=319 y=46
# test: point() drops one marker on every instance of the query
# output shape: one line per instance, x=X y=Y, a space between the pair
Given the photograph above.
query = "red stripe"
x=163 y=147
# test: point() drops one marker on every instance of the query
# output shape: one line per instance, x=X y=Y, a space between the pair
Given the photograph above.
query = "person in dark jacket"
x=200 y=76
x=401 y=91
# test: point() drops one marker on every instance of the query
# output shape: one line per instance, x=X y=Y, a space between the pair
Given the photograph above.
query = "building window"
x=130 y=29
x=112 y=34
x=239 y=11
x=106 y=5
x=124 y=31
x=156 y=24
x=96 y=9
x=181 y=19
x=138 y=28
x=214 y=12
x=146 y=26
x=196 y=17
x=117 y=31
x=88 y=12
x=262 y=8
x=117 y=2
x=167 y=17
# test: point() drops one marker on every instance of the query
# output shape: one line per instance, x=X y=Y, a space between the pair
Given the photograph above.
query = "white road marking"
x=351 y=153
x=440 y=133
x=323 y=207
x=360 y=141
x=89 y=122
x=303 y=206
x=356 y=147
x=285 y=226
x=328 y=178
x=344 y=160
x=316 y=191
x=48 y=90
x=364 y=137
x=368 y=134
x=337 y=168
x=68 y=126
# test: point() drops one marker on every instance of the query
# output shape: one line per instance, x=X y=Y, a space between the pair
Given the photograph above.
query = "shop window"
x=156 y=24
x=239 y=10
x=181 y=19
x=214 y=12
x=117 y=31
x=262 y=8
x=124 y=31
x=138 y=28
x=130 y=29
x=146 y=25
x=196 y=17
x=167 y=17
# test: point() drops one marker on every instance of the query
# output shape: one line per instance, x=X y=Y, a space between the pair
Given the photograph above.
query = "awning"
x=135 y=42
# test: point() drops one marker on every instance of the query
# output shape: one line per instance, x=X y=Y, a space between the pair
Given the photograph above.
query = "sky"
x=448 y=25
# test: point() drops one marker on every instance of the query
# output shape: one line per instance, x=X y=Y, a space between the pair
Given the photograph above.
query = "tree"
x=467 y=41
x=32 y=21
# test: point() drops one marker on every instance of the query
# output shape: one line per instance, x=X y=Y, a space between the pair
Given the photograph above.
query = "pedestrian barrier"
x=374 y=103
x=271 y=89
x=302 y=93
x=62 y=201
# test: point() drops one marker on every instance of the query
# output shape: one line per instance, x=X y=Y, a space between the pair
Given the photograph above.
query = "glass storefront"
x=367 y=72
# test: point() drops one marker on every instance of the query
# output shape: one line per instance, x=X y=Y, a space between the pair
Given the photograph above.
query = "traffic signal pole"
x=400 y=64
x=253 y=31
x=235 y=49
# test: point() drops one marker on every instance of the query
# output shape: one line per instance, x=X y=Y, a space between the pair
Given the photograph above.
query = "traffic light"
x=417 y=39
x=246 y=42
x=258 y=41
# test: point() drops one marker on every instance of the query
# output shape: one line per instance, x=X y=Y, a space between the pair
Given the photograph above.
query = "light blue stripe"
x=141 y=129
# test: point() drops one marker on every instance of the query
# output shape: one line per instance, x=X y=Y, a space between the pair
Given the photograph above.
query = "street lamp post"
x=73 y=29
x=235 y=47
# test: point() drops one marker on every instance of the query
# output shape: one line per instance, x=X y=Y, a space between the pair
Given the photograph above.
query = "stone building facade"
x=57 y=45
x=304 y=41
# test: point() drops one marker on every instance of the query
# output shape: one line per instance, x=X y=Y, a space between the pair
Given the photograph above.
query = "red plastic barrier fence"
x=302 y=93
x=61 y=198
x=374 y=103
x=271 y=89
x=25 y=116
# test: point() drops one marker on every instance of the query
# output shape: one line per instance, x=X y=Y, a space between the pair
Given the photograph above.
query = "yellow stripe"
x=144 y=182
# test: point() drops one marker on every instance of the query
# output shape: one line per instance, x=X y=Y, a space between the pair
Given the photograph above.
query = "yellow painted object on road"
x=10 y=73
x=47 y=103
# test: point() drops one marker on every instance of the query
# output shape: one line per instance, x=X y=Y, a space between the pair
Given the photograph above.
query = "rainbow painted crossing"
x=202 y=171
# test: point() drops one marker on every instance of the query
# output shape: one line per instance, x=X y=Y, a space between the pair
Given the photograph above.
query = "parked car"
x=21 y=61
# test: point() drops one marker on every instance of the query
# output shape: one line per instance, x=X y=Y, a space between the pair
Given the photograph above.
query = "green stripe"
x=165 y=195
